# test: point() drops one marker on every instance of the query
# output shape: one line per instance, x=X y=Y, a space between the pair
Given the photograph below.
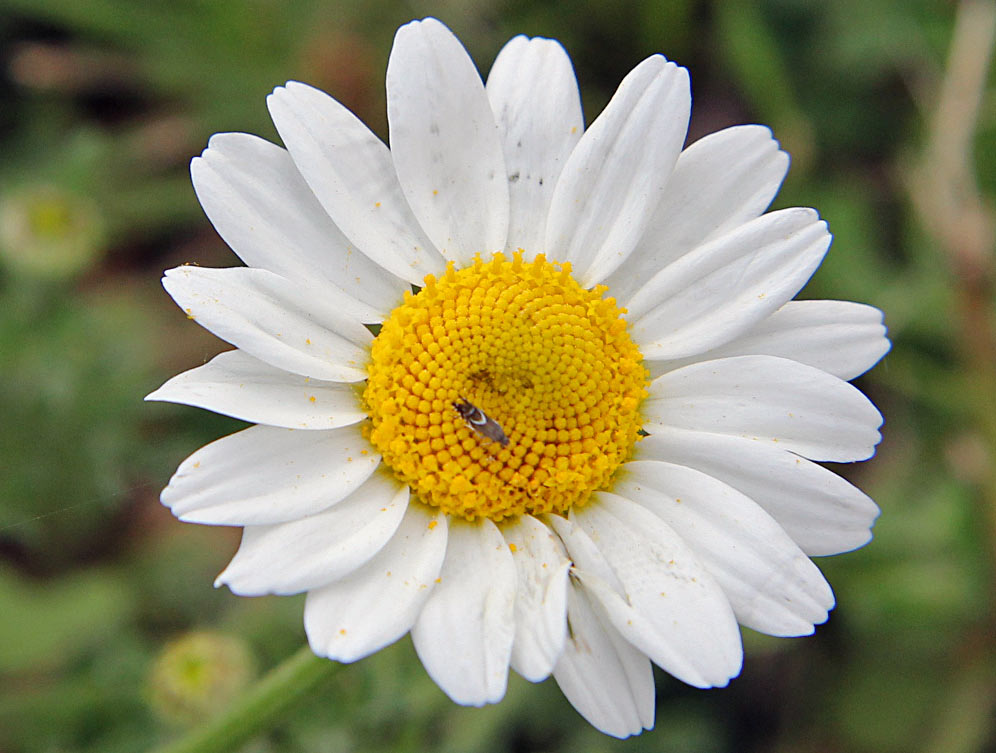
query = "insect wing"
x=492 y=430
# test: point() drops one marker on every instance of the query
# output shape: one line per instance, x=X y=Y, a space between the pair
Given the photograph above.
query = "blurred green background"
x=111 y=636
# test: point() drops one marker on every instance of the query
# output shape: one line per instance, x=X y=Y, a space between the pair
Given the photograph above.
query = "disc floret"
x=547 y=361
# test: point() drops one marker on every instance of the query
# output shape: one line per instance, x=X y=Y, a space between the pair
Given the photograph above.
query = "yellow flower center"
x=545 y=376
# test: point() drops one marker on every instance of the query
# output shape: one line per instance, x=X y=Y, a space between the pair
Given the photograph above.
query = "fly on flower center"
x=504 y=388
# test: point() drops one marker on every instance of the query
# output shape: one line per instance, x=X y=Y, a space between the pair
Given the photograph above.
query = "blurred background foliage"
x=111 y=637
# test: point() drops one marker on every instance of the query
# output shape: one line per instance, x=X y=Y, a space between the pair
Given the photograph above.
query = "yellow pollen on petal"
x=546 y=375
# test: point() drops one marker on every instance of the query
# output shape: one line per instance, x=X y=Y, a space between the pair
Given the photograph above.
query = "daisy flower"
x=537 y=394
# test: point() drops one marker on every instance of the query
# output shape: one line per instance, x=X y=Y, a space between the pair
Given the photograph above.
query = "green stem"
x=257 y=710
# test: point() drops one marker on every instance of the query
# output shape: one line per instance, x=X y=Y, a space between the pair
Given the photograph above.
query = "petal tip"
x=420 y=25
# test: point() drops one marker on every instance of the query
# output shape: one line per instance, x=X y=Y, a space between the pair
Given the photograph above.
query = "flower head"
x=582 y=437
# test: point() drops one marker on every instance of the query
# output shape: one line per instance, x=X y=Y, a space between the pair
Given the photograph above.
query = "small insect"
x=479 y=422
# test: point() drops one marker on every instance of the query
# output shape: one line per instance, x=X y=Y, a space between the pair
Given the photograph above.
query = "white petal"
x=536 y=102
x=609 y=682
x=236 y=384
x=719 y=182
x=586 y=556
x=288 y=558
x=464 y=634
x=267 y=475
x=618 y=172
x=259 y=203
x=540 y=597
x=445 y=143
x=351 y=173
x=672 y=610
x=377 y=603
x=839 y=337
x=720 y=290
x=773 y=587
x=287 y=324
x=802 y=409
x=822 y=512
